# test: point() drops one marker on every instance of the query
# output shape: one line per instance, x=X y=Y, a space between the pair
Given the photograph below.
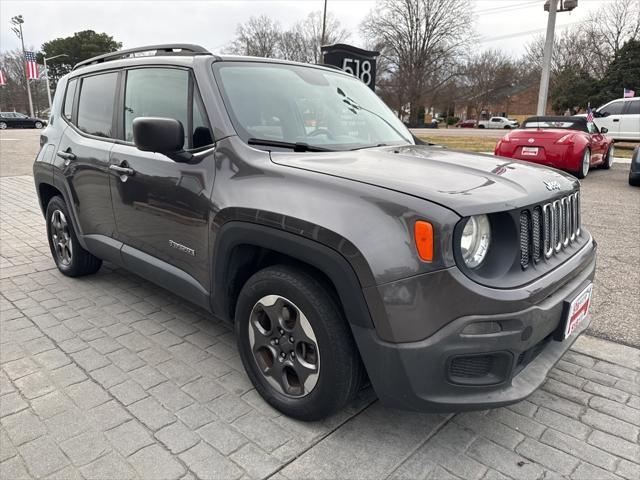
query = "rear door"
x=82 y=158
x=630 y=120
x=162 y=209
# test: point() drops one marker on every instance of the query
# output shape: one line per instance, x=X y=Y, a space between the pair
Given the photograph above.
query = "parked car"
x=334 y=247
x=20 y=120
x=621 y=118
x=634 y=171
x=567 y=143
x=498 y=122
x=466 y=124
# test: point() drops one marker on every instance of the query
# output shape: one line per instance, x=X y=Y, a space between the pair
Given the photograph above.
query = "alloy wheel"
x=38 y=125
x=3 y=125
x=284 y=346
x=586 y=160
x=61 y=238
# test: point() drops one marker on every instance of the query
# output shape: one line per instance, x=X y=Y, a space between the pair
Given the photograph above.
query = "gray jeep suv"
x=290 y=201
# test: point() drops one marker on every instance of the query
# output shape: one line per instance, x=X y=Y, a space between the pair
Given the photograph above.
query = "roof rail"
x=165 y=49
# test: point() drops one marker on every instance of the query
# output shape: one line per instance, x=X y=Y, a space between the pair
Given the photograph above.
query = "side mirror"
x=161 y=135
x=604 y=130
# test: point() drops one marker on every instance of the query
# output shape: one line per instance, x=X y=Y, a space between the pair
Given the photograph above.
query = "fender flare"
x=314 y=253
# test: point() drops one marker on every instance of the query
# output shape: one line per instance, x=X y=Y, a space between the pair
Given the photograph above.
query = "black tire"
x=480 y=126
x=634 y=180
x=608 y=159
x=3 y=125
x=583 y=170
x=75 y=261
x=38 y=125
x=507 y=127
x=339 y=368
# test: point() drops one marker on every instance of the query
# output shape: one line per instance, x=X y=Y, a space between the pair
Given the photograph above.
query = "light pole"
x=552 y=7
x=46 y=70
x=17 y=21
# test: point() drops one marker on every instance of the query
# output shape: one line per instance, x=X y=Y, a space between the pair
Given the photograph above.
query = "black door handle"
x=616 y=119
x=122 y=170
x=66 y=155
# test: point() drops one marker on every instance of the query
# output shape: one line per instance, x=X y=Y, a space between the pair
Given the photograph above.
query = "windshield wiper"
x=295 y=146
x=370 y=146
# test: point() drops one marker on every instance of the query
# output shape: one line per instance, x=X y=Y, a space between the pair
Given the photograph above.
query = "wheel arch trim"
x=325 y=259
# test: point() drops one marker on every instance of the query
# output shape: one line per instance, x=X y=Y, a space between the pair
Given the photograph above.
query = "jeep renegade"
x=289 y=200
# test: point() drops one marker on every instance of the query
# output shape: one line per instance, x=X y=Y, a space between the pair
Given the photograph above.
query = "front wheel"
x=507 y=127
x=608 y=159
x=480 y=126
x=3 y=125
x=71 y=259
x=585 y=164
x=38 y=125
x=295 y=344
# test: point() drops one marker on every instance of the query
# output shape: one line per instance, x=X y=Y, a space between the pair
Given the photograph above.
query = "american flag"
x=3 y=80
x=32 y=66
x=589 y=114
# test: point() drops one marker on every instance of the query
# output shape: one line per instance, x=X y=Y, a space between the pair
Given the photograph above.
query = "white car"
x=498 y=122
x=621 y=117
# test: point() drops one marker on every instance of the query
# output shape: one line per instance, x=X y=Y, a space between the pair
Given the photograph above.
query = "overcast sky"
x=212 y=23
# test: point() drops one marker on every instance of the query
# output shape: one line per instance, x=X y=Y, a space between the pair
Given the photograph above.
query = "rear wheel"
x=3 y=125
x=295 y=344
x=71 y=259
x=584 y=165
x=608 y=159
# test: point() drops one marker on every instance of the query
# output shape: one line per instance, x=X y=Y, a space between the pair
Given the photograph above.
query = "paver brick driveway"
x=109 y=376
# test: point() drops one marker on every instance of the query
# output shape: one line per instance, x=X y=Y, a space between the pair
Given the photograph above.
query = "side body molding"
x=236 y=233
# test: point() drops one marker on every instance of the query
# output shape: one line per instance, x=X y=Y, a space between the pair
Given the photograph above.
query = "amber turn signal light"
x=423 y=234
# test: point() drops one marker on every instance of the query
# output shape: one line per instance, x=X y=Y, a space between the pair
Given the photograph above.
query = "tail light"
x=566 y=139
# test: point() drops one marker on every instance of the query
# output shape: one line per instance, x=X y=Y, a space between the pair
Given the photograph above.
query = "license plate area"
x=576 y=311
x=533 y=151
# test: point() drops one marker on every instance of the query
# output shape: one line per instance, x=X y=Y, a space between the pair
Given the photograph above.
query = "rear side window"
x=633 y=108
x=68 y=99
x=95 y=107
x=168 y=93
x=614 y=108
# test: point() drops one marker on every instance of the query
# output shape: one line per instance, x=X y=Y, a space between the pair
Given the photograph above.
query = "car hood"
x=467 y=183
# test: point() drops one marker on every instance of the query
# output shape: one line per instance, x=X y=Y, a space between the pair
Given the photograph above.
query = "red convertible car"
x=567 y=143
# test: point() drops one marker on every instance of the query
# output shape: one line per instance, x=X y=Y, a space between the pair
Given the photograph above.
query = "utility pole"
x=324 y=25
x=46 y=71
x=552 y=7
x=17 y=29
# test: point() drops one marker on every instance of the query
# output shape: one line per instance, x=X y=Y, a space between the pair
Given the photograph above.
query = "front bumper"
x=418 y=375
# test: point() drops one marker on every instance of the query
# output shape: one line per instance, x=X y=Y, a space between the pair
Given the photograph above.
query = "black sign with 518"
x=353 y=60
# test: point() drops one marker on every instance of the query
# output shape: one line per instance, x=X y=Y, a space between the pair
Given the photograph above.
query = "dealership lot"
x=111 y=375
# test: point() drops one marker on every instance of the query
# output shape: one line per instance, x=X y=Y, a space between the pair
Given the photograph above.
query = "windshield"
x=305 y=105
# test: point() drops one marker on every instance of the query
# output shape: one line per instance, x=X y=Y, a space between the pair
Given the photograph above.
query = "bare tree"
x=422 y=40
x=609 y=28
x=570 y=50
x=258 y=37
x=486 y=76
x=303 y=41
x=13 y=96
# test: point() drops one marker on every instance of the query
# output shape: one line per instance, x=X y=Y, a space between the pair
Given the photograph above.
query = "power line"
x=528 y=32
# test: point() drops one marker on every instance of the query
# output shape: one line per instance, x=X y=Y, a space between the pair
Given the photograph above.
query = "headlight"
x=475 y=240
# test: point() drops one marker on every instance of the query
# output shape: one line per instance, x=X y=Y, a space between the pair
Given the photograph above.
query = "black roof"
x=556 y=119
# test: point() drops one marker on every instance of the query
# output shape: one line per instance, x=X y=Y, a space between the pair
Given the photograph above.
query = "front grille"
x=547 y=229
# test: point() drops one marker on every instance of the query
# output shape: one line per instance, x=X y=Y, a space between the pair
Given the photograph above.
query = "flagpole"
x=17 y=20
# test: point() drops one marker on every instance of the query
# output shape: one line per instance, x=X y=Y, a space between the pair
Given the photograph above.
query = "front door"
x=161 y=206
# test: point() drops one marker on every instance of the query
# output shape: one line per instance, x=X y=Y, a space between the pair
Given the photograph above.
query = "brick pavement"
x=110 y=376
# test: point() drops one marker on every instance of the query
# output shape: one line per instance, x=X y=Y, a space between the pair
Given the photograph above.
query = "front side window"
x=68 y=99
x=614 y=108
x=292 y=104
x=166 y=93
x=95 y=107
